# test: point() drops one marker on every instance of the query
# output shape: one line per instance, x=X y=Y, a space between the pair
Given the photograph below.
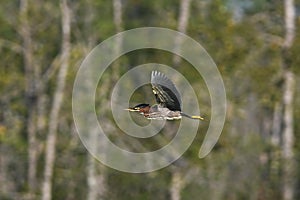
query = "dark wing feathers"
x=165 y=91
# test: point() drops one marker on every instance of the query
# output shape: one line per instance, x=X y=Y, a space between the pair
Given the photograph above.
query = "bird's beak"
x=131 y=109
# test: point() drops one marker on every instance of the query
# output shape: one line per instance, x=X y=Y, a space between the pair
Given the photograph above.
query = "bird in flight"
x=168 y=100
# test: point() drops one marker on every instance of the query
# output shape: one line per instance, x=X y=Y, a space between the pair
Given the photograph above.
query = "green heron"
x=168 y=100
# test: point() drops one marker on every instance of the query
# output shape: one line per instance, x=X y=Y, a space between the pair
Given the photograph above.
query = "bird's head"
x=141 y=108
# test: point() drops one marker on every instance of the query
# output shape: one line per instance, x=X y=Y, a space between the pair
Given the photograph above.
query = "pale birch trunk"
x=117 y=14
x=96 y=181
x=91 y=178
x=117 y=8
x=31 y=96
x=177 y=183
x=276 y=139
x=288 y=136
x=95 y=189
x=57 y=101
x=92 y=181
x=184 y=14
x=288 y=98
x=276 y=124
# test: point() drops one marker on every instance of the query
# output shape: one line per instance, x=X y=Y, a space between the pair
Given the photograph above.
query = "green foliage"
x=247 y=51
x=138 y=186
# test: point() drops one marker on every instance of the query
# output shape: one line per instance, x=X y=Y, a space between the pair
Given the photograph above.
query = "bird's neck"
x=145 y=110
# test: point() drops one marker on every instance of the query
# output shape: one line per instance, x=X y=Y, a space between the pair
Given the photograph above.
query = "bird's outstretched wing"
x=165 y=91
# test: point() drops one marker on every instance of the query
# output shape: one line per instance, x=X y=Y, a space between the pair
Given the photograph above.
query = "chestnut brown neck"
x=145 y=110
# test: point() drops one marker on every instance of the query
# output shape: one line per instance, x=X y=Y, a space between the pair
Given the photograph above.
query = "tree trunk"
x=184 y=14
x=57 y=101
x=177 y=184
x=288 y=97
x=91 y=179
x=117 y=12
x=31 y=96
x=288 y=136
x=276 y=125
x=96 y=182
x=276 y=140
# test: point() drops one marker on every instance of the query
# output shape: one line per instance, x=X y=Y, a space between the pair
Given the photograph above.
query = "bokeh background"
x=256 y=46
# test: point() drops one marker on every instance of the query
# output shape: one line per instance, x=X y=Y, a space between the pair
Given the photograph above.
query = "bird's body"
x=168 y=100
x=159 y=112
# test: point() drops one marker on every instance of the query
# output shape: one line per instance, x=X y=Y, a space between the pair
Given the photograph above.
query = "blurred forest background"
x=256 y=46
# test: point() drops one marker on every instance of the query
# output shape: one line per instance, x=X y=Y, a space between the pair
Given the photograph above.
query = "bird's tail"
x=192 y=116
